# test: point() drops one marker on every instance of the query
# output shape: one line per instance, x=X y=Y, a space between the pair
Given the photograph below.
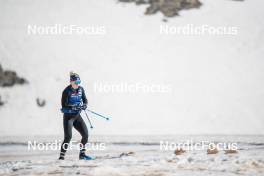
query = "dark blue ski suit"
x=71 y=101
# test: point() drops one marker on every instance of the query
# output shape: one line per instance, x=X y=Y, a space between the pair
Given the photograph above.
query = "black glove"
x=76 y=108
x=84 y=106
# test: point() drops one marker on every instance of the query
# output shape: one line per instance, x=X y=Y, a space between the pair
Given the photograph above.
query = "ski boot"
x=82 y=156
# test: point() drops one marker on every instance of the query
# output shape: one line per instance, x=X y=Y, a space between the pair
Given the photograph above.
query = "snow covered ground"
x=146 y=158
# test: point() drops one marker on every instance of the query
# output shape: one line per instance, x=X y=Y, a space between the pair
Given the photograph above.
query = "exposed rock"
x=126 y=154
x=1 y=102
x=164 y=20
x=9 y=78
x=179 y=151
x=41 y=102
x=138 y=2
x=169 y=8
x=212 y=151
x=190 y=159
x=230 y=151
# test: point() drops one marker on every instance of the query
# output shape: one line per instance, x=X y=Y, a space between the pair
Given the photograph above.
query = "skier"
x=73 y=101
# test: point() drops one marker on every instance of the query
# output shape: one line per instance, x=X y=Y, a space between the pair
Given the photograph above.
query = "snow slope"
x=217 y=81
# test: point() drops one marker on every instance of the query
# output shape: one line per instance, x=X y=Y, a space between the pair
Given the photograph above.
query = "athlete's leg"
x=67 y=126
x=81 y=127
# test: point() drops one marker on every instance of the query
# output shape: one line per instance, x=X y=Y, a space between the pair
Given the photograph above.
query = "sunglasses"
x=78 y=81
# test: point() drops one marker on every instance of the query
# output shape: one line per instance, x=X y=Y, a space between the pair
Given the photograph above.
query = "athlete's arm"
x=84 y=99
x=64 y=99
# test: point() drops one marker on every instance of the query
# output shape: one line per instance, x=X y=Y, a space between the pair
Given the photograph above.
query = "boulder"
x=9 y=78
x=168 y=8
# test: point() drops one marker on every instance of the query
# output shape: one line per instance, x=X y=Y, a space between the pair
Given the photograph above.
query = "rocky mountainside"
x=168 y=8
x=8 y=78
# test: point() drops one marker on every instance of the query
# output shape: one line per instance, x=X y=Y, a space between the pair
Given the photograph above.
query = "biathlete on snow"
x=73 y=101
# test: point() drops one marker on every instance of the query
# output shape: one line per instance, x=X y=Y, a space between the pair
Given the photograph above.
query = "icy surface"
x=145 y=159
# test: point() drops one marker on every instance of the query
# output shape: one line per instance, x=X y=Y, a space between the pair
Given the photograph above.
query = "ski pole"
x=91 y=126
x=98 y=114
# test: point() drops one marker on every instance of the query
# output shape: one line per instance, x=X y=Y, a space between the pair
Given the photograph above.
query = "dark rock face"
x=9 y=78
x=169 y=8
x=40 y=102
x=1 y=102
